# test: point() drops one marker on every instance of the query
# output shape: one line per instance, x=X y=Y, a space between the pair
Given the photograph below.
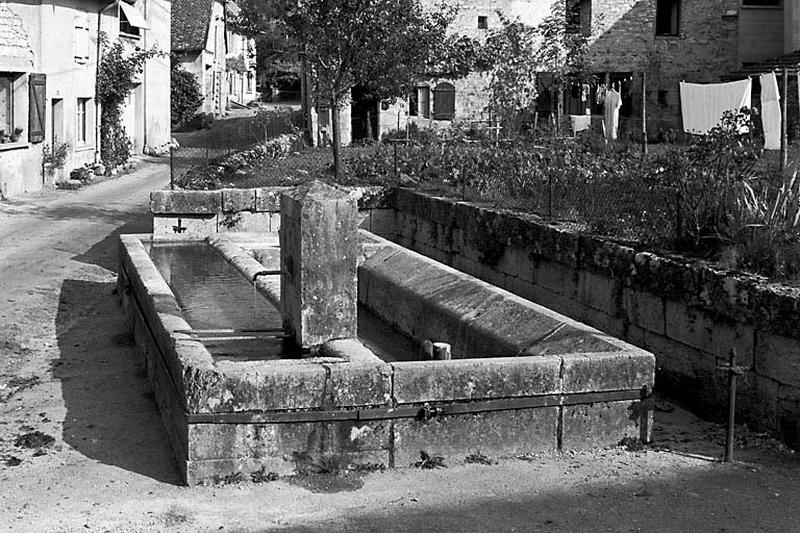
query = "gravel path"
x=82 y=447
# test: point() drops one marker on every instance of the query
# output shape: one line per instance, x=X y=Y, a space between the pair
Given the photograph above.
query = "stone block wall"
x=244 y=210
x=689 y=314
x=622 y=40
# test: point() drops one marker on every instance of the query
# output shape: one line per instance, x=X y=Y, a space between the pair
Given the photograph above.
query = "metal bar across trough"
x=427 y=411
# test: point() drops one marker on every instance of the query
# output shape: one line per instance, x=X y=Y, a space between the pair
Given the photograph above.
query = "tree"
x=519 y=51
x=186 y=97
x=561 y=50
x=512 y=48
x=380 y=45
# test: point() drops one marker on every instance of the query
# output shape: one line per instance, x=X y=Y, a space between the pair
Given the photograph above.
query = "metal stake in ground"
x=733 y=371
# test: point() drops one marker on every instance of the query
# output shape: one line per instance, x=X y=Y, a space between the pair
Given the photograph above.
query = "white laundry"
x=580 y=123
x=771 y=111
x=703 y=105
x=611 y=119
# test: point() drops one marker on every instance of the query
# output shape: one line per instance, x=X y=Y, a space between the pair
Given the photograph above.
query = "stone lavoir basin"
x=266 y=350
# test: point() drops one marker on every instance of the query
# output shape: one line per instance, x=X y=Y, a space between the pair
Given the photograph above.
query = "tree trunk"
x=337 y=141
x=305 y=104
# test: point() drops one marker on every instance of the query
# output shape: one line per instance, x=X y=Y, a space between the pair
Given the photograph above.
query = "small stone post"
x=319 y=250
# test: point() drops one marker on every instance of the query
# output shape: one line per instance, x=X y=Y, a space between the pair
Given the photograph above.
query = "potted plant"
x=16 y=135
x=2 y=136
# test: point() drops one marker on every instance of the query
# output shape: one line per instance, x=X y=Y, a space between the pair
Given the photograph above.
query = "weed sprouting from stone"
x=429 y=462
x=231 y=479
x=632 y=444
x=479 y=459
x=262 y=476
x=369 y=467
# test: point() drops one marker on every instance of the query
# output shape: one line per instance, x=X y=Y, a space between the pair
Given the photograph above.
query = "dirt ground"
x=101 y=461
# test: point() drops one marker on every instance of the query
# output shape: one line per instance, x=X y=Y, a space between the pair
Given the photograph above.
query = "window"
x=413 y=103
x=13 y=106
x=663 y=97
x=126 y=27
x=81 y=43
x=762 y=3
x=573 y=16
x=6 y=103
x=579 y=14
x=667 y=17
x=82 y=121
x=131 y=20
x=483 y=22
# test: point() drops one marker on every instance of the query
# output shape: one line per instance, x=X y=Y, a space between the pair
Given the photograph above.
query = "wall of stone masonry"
x=244 y=210
x=623 y=40
x=688 y=314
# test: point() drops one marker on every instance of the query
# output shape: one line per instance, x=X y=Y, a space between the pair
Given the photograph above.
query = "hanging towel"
x=703 y=105
x=611 y=118
x=771 y=111
x=580 y=123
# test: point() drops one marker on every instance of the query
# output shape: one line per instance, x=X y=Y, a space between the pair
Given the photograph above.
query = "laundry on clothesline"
x=771 y=111
x=580 y=123
x=611 y=115
x=703 y=105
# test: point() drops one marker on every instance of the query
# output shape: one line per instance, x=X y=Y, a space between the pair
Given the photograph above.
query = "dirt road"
x=68 y=371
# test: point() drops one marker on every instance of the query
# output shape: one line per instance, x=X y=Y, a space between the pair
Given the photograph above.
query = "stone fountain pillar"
x=319 y=250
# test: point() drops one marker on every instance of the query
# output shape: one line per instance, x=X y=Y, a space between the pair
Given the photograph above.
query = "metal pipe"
x=243 y=338
x=424 y=412
x=266 y=273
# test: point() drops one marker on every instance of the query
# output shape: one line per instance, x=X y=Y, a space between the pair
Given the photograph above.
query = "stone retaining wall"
x=689 y=314
x=200 y=213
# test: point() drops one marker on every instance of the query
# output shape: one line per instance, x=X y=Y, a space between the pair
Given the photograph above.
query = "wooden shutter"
x=444 y=102
x=37 y=84
x=80 y=38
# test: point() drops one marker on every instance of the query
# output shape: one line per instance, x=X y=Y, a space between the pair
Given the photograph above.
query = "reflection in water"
x=215 y=296
x=235 y=322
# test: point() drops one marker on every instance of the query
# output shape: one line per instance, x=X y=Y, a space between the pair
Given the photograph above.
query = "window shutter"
x=444 y=101
x=37 y=84
x=81 y=39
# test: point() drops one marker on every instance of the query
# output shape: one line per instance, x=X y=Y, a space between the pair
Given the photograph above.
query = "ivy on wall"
x=117 y=77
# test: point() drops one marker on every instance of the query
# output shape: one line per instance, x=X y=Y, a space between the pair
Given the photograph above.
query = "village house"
x=48 y=69
x=669 y=40
x=208 y=46
x=240 y=62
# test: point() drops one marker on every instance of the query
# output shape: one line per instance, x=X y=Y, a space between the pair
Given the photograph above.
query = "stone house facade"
x=669 y=40
x=205 y=44
x=240 y=62
x=48 y=69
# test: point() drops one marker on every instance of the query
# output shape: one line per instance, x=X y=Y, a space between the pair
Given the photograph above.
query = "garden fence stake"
x=733 y=371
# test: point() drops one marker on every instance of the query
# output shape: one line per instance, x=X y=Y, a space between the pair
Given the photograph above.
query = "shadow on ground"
x=111 y=413
x=105 y=253
x=715 y=499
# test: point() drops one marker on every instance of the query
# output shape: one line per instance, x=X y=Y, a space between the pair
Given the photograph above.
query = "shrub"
x=185 y=95
x=117 y=75
x=414 y=133
x=54 y=157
